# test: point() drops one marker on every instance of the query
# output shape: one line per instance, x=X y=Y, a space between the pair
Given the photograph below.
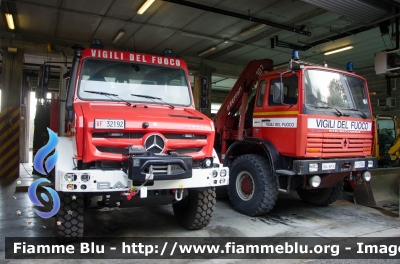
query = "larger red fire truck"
x=136 y=140
x=306 y=128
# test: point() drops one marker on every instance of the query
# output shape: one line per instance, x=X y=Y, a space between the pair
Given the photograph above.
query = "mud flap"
x=382 y=191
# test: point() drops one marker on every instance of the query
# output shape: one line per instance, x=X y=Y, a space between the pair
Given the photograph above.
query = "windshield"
x=336 y=90
x=123 y=79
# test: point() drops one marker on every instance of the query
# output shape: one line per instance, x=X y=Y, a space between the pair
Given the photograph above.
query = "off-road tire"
x=265 y=191
x=69 y=228
x=195 y=210
x=323 y=196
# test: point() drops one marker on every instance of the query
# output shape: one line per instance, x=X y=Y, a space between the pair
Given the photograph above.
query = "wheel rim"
x=245 y=185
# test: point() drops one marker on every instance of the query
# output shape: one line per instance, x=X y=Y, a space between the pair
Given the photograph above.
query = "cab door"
x=277 y=122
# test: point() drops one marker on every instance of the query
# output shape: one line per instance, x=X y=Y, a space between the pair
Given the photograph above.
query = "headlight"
x=71 y=187
x=85 y=177
x=70 y=177
x=223 y=173
x=208 y=162
x=315 y=181
x=370 y=164
x=215 y=173
x=366 y=175
x=313 y=167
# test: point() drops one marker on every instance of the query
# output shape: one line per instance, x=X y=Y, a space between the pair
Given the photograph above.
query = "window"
x=290 y=86
x=124 y=79
x=261 y=93
x=330 y=90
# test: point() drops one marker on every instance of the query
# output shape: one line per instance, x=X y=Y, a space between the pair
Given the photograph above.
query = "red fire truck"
x=136 y=140
x=306 y=128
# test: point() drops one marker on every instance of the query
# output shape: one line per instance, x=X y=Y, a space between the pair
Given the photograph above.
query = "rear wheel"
x=69 y=220
x=196 y=209
x=252 y=186
x=323 y=196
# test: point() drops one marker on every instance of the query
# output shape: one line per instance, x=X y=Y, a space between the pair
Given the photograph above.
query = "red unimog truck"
x=136 y=140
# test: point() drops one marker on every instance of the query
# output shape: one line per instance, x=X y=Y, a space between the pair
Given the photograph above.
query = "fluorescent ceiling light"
x=338 y=50
x=199 y=36
x=145 y=6
x=252 y=29
x=118 y=36
x=207 y=51
x=10 y=21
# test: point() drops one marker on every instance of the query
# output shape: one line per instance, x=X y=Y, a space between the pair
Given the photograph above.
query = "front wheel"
x=252 y=187
x=69 y=220
x=196 y=209
x=323 y=196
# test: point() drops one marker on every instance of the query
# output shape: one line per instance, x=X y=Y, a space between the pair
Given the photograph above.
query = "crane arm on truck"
x=238 y=94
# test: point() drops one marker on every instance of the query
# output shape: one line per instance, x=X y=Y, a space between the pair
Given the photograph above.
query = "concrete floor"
x=290 y=218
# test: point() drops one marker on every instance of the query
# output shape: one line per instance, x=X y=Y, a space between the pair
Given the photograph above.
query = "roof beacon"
x=350 y=67
x=97 y=44
x=295 y=55
x=169 y=53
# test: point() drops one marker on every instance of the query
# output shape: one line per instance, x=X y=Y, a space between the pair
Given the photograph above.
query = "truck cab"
x=136 y=139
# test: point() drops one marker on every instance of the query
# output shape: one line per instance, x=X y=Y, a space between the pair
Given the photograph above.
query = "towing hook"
x=179 y=194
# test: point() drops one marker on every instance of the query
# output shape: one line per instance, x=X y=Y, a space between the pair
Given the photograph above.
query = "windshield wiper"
x=109 y=96
x=321 y=105
x=361 y=113
x=325 y=106
x=340 y=113
x=189 y=117
x=154 y=98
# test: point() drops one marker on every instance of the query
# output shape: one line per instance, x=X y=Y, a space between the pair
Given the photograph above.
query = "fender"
x=252 y=144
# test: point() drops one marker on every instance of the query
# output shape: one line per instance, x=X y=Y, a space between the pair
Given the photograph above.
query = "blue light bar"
x=350 y=67
x=295 y=55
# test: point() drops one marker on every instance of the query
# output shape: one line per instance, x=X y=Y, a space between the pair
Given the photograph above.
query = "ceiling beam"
x=258 y=37
x=102 y=19
x=238 y=15
x=23 y=2
x=58 y=18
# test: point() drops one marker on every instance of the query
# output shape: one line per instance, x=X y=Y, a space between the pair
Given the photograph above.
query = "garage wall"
x=377 y=89
x=219 y=96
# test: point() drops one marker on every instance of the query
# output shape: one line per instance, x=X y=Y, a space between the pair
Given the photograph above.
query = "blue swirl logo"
x=54 y=195
x=43 y=152
x=49 y=165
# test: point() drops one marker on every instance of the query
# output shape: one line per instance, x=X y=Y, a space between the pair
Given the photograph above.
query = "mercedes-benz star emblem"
x=154 y=143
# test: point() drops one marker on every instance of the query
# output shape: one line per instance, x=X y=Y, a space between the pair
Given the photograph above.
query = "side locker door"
x=279 y=121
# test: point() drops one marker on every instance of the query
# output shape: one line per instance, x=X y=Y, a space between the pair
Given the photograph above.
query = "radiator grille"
x=332 y=144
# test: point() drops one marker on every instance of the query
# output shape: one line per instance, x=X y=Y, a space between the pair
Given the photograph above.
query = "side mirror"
x=44 y=79
x=204 y=87
x=204 y=103
x=277 y=93
x=46 y=75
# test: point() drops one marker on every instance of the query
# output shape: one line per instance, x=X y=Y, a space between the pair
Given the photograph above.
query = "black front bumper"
x=150 y=167
x=301 y=167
